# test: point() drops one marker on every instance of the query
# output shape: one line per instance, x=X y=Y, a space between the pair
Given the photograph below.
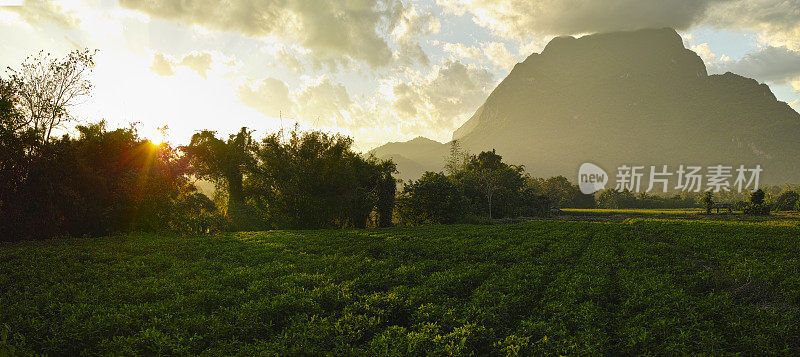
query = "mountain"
x=415 y=156
x=635 y=98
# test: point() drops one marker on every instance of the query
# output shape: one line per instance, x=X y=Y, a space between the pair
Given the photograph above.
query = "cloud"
x=270 y=97
x=324 y=103
x=494 y=53
x=713 y=62
x=410 y=26
x=523 y=18
x=199 y=62
x=498 y=54
x=444 y=98
x=161 y=65
x=777 y=65
x=776 y=21
x=42 y=12
x=332 y=30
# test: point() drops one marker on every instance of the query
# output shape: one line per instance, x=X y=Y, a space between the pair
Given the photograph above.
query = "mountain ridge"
x=628 y=97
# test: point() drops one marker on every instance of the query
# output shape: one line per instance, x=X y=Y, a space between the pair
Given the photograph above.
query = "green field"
x=639 y=287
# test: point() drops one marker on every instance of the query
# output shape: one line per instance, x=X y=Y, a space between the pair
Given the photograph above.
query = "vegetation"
x=640 y=287
x=102 y=181
x=787 y=200
x=757 y=205
x=613 y=199
x=707 y=202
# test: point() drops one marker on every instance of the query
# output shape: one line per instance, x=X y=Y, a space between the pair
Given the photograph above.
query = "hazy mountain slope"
x=634 y=97
x=415 y=156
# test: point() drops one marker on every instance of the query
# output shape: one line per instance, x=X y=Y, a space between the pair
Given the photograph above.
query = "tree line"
x=98 y=181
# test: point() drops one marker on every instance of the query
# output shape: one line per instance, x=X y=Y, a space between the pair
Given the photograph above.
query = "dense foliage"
x=316 y=180
x=95 y=181
x=570 y=288
x=611 y=198
x=477 y=186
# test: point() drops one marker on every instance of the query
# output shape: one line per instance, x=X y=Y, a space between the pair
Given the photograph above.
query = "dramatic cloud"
x=776 y=21
x=523 y=18
x=333 y=30
x=443 y=99
x=270 y=97
x=410 y=26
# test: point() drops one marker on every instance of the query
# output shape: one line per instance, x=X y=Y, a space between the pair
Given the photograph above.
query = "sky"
x=376 y=70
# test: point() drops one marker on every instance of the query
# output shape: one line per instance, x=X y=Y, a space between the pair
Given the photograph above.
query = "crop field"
x=642 y=286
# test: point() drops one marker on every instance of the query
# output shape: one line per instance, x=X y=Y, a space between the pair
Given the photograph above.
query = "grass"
x=643 y=286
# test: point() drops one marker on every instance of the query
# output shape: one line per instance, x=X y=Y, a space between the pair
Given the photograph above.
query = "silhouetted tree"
x=225 y=163
x=387 y=187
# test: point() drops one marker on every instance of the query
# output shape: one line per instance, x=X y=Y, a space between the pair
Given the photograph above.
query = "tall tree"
x=224 y=162
x=48 y=87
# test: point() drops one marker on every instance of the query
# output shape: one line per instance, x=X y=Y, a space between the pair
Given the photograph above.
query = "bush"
x=786 y=201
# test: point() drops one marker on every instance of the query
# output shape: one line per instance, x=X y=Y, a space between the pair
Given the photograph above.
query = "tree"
x=48 y=87
x=756 y=204
x=757 y=197
x=457 y=159
x=431 y=199
x=563 y=193
x=224 y=162
x=387 y=187
x=315 y=179
x=707 y=202
x=787 y=200
x=487 y=178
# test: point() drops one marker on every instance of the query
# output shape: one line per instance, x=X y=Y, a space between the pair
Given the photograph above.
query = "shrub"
x=786 y=201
